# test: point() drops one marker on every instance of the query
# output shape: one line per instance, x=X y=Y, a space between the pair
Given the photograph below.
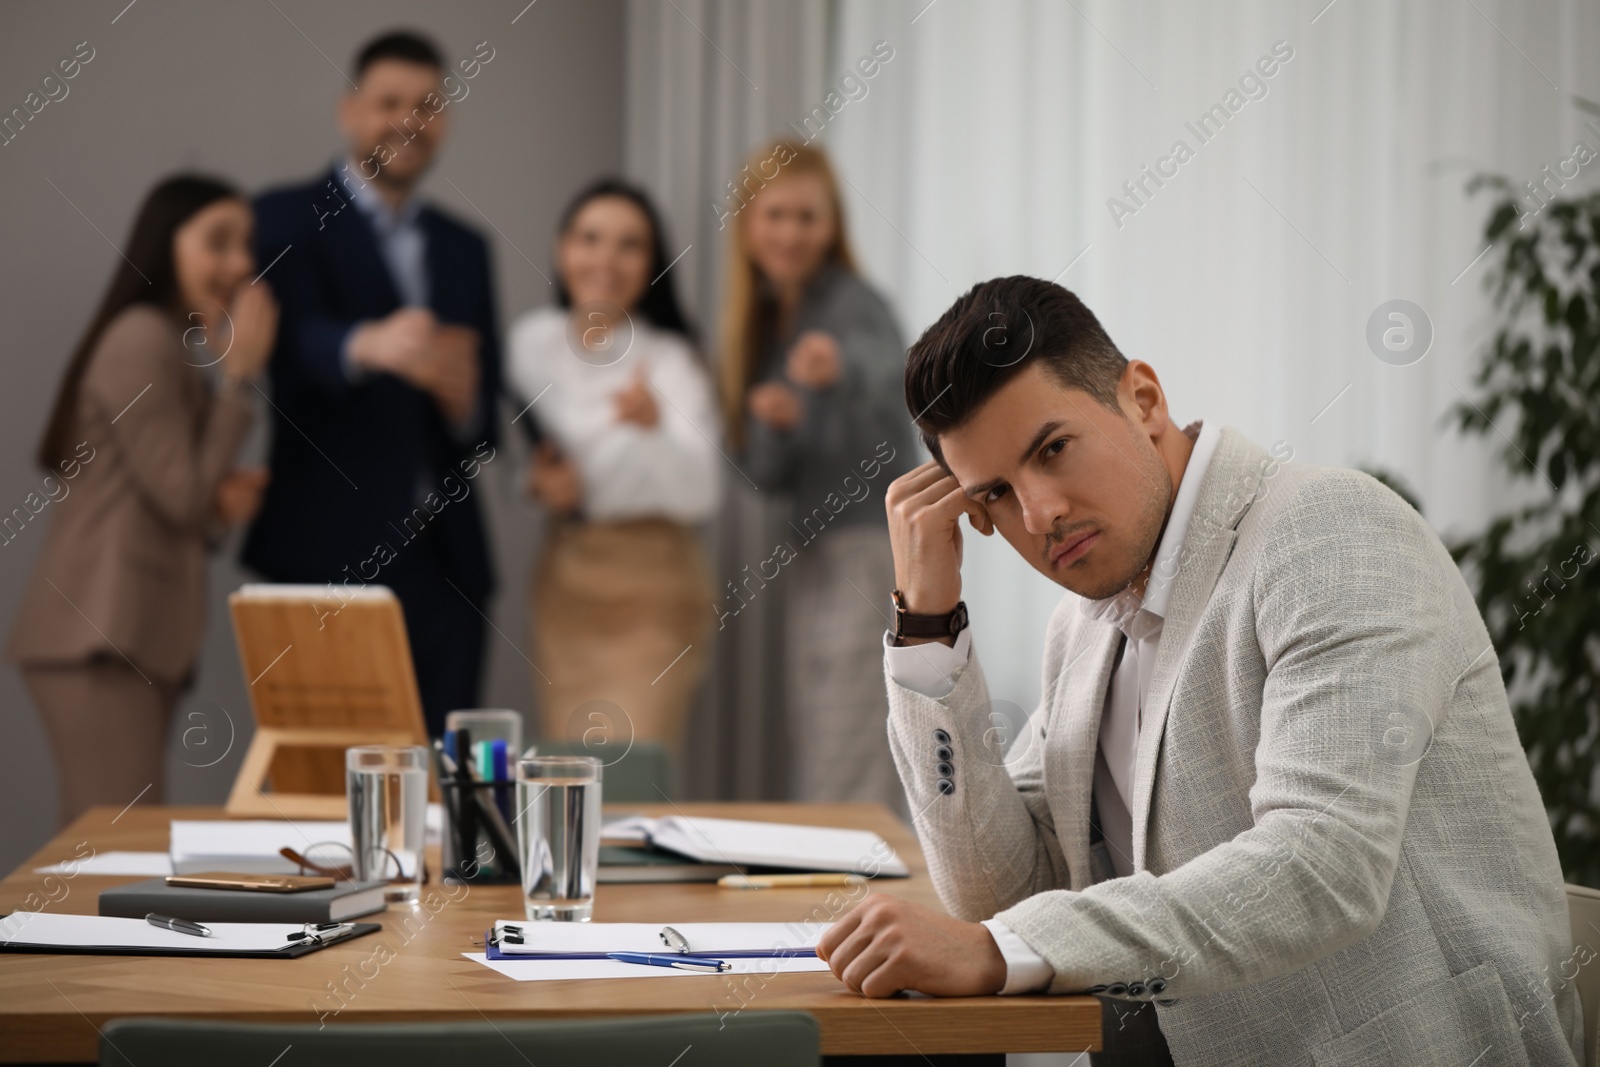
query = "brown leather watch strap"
x=907 y=624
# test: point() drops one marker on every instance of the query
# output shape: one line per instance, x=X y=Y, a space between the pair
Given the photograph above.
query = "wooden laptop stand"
x=327 y=668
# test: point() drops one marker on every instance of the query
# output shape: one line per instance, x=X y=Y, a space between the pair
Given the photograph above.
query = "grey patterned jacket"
x=1340 y=855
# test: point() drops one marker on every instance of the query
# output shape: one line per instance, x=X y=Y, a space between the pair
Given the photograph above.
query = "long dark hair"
x=145 y=274
x=659 y=304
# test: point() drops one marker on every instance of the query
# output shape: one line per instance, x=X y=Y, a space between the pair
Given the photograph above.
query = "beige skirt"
x=621 y=624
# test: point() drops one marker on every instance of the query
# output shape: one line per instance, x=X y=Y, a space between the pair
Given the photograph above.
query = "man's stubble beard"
x=1153 y=484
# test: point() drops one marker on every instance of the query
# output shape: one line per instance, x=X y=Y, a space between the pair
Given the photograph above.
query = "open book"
x=764 y=844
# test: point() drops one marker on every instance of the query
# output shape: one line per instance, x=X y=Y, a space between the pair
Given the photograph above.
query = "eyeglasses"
x=345 y=872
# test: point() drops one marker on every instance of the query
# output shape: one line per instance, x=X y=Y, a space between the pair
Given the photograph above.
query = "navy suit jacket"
x=351 y=459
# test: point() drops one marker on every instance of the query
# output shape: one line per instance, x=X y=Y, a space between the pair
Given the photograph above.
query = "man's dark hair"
x=403 y=45
x=989 y=336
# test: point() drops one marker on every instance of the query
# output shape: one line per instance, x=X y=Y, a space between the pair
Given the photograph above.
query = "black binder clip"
x=320 y=933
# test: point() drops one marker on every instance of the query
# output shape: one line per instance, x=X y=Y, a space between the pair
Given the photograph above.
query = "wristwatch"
x=908 y=625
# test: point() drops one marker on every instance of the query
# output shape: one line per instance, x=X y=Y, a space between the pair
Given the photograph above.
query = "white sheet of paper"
x=147 y=864
x=434 y=821
x=47 y=928
x=565 y=970
x=251 y=845
x=628 y=828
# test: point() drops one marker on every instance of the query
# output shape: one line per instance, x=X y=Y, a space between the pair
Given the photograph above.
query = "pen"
x=178 y=926
x=681 y=962
x=778 y=881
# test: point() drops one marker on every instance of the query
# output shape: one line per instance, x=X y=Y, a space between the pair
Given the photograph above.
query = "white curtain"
x=993 y=140
x=707 y=82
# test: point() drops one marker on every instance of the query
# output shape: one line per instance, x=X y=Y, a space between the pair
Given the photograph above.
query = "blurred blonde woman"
x=812 y=368
x=627 y=466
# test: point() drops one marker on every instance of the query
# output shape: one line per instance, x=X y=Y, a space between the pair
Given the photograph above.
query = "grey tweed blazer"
x=1340 y=856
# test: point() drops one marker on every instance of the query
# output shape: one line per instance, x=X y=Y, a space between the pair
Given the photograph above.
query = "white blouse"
x=671 y=470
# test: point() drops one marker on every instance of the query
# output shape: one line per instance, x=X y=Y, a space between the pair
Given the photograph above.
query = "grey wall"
x=241 y=90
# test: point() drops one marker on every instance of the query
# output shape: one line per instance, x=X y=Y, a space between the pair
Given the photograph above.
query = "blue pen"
x=681 y=962
x=502 y=795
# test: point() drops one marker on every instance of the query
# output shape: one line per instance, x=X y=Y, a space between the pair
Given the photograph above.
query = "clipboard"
x=105 y=935
x=592 y=941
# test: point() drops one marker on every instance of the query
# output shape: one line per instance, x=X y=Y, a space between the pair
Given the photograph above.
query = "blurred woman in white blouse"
x=627 y=465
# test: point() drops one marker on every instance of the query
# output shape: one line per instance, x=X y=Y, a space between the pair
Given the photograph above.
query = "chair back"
x=770 y=1038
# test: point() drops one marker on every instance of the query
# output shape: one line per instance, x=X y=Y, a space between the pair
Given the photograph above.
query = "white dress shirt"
x=672 y=469
x=933 y=669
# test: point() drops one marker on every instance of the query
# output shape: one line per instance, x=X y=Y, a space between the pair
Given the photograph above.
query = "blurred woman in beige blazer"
x=139 y=454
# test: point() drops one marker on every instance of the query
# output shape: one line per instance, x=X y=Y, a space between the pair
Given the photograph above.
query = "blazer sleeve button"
x=1117 y=989
x=944 y=753
x=941 y=736
x=946 y=786
x=946 y=770
x=1157 y=985
x=1095 y=989
x=1136 y=989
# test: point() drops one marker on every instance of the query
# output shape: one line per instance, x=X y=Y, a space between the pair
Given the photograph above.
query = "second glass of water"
x=558 y=835
x=387 y=787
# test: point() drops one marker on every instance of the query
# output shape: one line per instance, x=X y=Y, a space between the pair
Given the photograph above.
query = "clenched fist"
x=636 y=404
x=886 y=944
x=254 y=319
x=776 y=405
x=814 y=360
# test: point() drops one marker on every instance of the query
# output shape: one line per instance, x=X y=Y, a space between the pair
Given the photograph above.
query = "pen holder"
x=478 y=846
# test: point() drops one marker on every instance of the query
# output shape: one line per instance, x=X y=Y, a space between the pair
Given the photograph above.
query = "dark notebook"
x=344 y=901
x=643 y=863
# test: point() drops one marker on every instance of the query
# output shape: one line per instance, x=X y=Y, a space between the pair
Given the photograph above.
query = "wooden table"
x=51 y=1005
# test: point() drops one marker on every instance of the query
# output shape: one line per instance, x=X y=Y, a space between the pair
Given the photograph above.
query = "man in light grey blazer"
x=1273 y=799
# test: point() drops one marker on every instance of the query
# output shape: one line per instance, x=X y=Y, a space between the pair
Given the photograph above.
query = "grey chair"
x=642 y=776
x=768 y=1038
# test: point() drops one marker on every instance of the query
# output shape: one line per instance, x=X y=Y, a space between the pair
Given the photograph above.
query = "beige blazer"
x=123 y=566
x=1340 y=855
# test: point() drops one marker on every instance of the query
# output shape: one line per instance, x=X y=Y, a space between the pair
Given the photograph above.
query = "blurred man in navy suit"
x=385 y=375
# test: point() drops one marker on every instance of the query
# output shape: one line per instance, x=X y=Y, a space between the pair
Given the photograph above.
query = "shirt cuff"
x=1026 y=970
x=931 y=669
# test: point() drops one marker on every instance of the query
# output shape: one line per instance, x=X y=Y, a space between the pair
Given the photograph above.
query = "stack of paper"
x=251 y=846
x=145 y=863
x=764 y=844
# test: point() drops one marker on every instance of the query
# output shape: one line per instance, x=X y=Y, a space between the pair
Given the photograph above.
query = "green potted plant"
x=1533 y=568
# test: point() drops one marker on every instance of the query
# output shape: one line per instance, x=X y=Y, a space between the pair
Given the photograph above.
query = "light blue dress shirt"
x=401 y=240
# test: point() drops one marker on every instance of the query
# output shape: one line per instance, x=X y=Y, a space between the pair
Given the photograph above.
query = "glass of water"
x=558 y=835
x=387 y=786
